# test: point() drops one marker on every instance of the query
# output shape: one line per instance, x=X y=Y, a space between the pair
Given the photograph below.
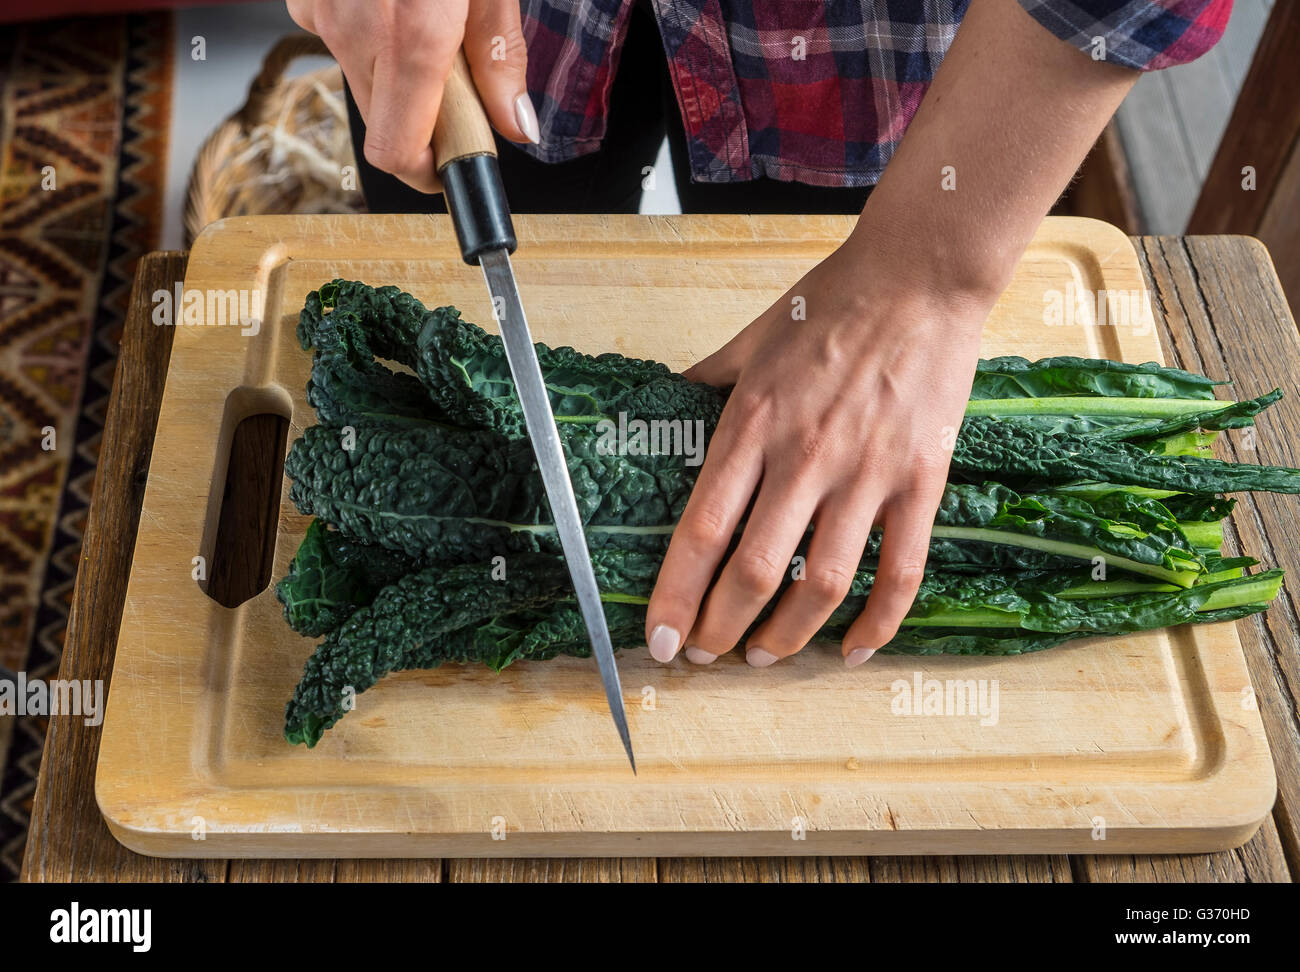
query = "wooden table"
x=1224 y=314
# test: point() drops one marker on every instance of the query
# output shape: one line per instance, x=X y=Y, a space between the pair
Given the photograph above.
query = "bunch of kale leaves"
x=1081 y=501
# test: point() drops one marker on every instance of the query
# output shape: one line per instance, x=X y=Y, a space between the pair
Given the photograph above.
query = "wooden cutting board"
x=1144 y=743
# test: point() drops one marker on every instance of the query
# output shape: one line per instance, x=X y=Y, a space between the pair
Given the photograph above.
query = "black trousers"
x=642 y=110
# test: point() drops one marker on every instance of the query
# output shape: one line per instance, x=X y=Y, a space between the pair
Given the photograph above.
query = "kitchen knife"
x=466 y=161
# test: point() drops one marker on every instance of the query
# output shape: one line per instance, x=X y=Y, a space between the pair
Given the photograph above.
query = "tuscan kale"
x=451 y=495
x=460 y=614
x=331 y=576
x=1082 y=501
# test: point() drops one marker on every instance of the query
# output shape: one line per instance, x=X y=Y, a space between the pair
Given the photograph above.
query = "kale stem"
x=1069 y=405
x=1183 y=578
x=1203 y=534
x=1256 y=590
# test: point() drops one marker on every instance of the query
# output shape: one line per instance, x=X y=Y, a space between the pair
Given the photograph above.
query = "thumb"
x=498 y=61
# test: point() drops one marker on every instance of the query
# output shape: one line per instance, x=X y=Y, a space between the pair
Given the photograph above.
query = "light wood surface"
x=1146 y=735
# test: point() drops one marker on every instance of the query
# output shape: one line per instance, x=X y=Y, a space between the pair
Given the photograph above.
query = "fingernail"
x=526 y=118
x=759 y=658
x=857 y=656
x=699 y=656
x=664 y=642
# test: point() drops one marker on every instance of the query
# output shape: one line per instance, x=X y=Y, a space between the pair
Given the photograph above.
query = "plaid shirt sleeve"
x=819 y=93
x=1145 y=35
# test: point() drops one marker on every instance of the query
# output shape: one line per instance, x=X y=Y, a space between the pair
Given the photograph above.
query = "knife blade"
x=465 y=158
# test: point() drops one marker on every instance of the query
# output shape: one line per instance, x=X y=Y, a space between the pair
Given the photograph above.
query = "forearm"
x=1010 y=116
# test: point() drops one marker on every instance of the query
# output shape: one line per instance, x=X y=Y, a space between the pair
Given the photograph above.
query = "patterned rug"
x=83 y=138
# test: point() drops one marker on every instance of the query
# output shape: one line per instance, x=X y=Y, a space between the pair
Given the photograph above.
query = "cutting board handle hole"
x=242 y=548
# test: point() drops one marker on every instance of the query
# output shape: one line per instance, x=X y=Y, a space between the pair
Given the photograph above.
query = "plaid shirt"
x=752 y=106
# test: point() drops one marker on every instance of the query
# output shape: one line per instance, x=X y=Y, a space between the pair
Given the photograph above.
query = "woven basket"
x=284 y=151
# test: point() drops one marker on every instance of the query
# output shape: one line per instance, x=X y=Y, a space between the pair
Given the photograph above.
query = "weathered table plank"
x=1259 y=860
x=1225 y=315
x=593 y=870
x=1228 y=323
x=68 y=840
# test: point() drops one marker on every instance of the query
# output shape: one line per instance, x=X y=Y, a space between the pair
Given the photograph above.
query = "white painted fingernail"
x=664 y=642
x=759 y=658
x=699 y=656
x=526 y=118
x=857 y=656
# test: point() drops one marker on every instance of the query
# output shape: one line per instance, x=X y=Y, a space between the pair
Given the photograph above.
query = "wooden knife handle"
x=462 y=128
x=465 y=157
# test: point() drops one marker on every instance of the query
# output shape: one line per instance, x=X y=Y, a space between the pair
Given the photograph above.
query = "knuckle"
x=705 y=527
x=440 y=45
x=928 y=466
x=917 y=497
x=414 y=34
x=897 y=585
x=383 y=155
x=415 y=52
x=909 y=573
x=512 y=38
x=829 y=583
x=748 y=401
x=441 y=18
x=750 y=411
x=878 y=454
x=757 y=572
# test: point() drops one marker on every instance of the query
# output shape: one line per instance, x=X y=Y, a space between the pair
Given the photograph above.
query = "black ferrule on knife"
x=476 y=200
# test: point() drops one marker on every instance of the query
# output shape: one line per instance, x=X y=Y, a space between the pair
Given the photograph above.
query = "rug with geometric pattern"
x=83 y=138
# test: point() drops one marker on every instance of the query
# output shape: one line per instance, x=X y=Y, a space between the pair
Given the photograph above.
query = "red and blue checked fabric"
x=818 y=93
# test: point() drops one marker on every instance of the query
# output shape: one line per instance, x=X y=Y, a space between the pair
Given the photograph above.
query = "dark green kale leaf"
x=456 y=495
x=1129 y=532
x=1009 y=451
x=1202 y=507
x=436 y=615
x=331 y=576
x=462 y=614
x=1232 y=416
x=390 y=317
x=466 y=374
x=1014 y=377
x=348 y=385
x=453 y=495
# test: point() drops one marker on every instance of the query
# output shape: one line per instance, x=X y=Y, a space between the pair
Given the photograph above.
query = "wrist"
x=926 y=254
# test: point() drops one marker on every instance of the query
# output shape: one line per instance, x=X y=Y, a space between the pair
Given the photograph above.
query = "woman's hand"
x=844 y=420
x=396 y=56
x=841 y=421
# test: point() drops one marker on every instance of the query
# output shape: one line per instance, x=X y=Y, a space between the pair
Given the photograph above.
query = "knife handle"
x=465 y=157
x=462 y=129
